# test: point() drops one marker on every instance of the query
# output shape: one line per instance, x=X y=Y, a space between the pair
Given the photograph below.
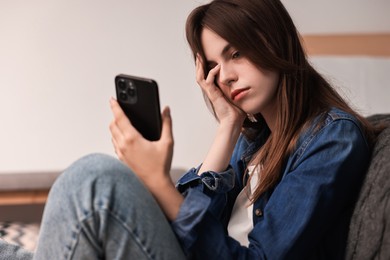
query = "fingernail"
x=167 y=111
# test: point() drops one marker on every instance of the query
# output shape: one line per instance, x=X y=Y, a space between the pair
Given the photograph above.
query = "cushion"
x=25 y=235
x=369 y=235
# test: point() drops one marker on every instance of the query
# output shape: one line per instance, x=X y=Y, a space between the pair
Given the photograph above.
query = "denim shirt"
x=307 y=213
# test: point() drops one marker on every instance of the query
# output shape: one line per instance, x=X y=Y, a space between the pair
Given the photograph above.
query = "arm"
x=218 y=156
x=230 y=120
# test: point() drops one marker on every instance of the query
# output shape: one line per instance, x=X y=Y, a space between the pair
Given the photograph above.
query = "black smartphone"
x=139 y=99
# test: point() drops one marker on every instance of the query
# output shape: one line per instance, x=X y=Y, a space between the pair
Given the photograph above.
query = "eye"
x=236 y=55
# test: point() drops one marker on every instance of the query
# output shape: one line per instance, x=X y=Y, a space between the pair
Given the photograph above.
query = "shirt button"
x=258 y=212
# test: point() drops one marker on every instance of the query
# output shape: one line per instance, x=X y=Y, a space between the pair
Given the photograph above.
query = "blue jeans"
x=98 y=209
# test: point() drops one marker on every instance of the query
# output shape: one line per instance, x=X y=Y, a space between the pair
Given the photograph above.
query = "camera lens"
x=131 y=91
x=123 y=96
x=122 y=85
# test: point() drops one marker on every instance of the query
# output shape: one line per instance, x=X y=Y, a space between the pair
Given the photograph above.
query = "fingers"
x=116 y=148
x=166 y=133
x=199 y=72
x=211 y=76
x=208 y=84
x=141 y=155
x=120 y=119
x=122 y=131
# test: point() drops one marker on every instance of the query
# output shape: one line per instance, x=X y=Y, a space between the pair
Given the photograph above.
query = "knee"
x=96 y=164
x=93 y=169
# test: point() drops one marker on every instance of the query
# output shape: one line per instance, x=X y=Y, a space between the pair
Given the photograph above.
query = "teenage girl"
x=279 y=181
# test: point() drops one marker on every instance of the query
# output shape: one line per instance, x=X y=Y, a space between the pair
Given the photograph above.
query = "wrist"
x=166 y=195
x=231 y=130
x=218 y=157
x=158 y=181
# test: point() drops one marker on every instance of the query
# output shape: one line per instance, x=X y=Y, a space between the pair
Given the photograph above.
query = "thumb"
x=166 y=131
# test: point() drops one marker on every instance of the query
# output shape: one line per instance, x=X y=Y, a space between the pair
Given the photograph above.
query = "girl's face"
x=244 y=84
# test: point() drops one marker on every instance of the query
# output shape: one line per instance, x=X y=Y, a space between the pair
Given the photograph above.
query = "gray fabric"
x=13 y=252
x=369 y=235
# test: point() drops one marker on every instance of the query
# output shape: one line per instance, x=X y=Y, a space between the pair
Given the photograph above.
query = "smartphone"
x=139 y=99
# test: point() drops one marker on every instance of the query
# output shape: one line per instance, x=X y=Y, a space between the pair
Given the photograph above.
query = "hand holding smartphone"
x=139 y=99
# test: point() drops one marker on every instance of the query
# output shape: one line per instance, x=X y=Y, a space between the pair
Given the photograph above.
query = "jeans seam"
x=133 y=234
x=145 y=249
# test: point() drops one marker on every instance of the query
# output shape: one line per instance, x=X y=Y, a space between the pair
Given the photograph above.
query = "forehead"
x=213 y=44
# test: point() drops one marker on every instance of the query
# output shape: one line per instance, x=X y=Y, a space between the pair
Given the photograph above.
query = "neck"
x=269 y=116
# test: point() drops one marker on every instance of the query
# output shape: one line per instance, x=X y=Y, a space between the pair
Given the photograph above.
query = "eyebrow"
x=226 y=49
x=224 y=52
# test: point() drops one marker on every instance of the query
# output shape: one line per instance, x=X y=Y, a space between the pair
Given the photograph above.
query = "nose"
x=227 y=76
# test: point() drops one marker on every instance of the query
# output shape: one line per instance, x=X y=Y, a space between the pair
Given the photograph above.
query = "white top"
x=241 y=220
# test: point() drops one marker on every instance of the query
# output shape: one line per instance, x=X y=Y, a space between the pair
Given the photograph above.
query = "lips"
x=235 y=93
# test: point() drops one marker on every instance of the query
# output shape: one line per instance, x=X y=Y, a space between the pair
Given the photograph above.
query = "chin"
x=252 y=111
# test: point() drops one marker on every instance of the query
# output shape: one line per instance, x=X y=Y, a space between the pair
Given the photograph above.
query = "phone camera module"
x=122 y=85
x=131 y=91
x=123 y=96
x=127 y=91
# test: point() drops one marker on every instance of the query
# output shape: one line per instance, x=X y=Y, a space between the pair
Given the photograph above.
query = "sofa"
x=369 y=233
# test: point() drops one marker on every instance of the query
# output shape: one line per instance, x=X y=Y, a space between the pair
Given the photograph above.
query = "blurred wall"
x=58 y=60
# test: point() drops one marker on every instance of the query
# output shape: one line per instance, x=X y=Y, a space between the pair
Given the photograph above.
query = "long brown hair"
x=263 y=31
